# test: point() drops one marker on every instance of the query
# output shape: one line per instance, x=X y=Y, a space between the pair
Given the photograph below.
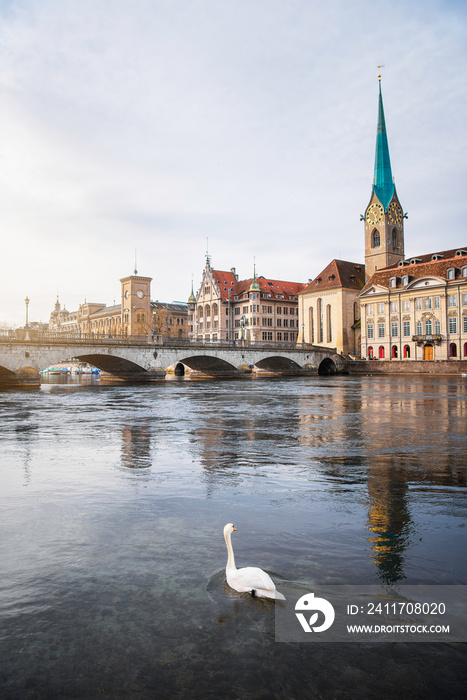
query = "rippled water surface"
x=113 y=501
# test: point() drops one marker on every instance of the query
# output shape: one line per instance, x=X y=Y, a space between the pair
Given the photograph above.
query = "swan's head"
x=228 y=529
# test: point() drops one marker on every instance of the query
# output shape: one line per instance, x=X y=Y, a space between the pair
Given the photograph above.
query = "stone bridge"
x=144 y=359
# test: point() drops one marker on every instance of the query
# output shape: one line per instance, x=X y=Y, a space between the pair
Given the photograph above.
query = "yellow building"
x=135 y=316
x=417 y=309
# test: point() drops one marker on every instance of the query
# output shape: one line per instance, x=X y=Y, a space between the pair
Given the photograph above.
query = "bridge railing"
x=44 y=338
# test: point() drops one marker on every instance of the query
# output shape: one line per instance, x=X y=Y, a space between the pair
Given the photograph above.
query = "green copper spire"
x=192 y=298
x=383 y=183
x=254 y=286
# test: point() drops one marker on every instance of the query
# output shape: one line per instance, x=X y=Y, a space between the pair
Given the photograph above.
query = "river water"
x=114 y=498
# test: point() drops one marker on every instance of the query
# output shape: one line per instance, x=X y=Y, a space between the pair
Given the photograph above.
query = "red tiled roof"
x=276 y=288
x=425 y=268
x=338 y=274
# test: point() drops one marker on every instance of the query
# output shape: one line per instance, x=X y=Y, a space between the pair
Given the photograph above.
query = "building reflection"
x=371 y=434
x=136 y=446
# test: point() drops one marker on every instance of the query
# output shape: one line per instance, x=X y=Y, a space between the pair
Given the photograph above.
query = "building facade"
x=417 y=309
x=228 y=309
x=329 y=309
x=136 y=315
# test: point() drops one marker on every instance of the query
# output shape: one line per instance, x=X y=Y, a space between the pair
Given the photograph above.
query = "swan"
x=251 y=579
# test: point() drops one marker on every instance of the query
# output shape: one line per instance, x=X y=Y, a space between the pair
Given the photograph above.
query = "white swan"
x=251 y=579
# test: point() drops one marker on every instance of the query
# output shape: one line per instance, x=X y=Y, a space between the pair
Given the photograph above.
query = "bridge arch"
x=276 y=363
x=112 y=364
x=327 y=367
x=207 y=364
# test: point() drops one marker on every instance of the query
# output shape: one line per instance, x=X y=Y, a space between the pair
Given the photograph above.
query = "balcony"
x=432 y=338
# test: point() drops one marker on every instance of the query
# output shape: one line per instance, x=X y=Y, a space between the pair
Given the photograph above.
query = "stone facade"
x=329 y=310
x=256 y=309
x=137 y=315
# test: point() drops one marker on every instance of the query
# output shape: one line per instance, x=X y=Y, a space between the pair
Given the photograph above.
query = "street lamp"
x=26 y=301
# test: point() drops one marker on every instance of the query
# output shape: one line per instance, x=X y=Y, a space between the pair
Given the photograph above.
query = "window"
x=428 y=327
x=464 y=271
x=452 y=324
x=437 y=302
x=369 y=310
x=393 y=282
x=381 y=308
x=369 y=331
x=406 y=305
x=452 y=300
x=419 y=327
x=405 y=280
x=465 y=324
x=406 y=328
x=381 y=352
x=427 y=303
x=286 y=336
x=437 y=327
x=394 y=352
x=393 y=307
x=286 y=310
x=207 y=310
x=279 y=336
x=370 y=353
x=279 y=309
x=312 y=328
x=375 y=239
x=406 y=351
x=237 y=311
x=279 y=322
x=418 y=303
x=381 y=330
x=394 y=330
x=394 y=238
x=464 y=300
x=451 y=273
x=320 y=321
x=453 y=350
x=328 y=323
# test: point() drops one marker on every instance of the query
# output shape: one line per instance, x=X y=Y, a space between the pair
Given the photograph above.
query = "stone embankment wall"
x=407 y=367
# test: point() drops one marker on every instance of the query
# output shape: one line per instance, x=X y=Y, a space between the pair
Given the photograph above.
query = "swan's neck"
x=230 y=558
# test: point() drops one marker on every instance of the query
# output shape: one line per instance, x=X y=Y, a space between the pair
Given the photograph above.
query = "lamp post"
x=26 y=301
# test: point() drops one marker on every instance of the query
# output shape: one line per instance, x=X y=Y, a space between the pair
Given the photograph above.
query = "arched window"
x=370 y=353
x=328 y=323
x=207 y=310
x=381 y=352
x=394 y=352
x=320 y=320
x=406 y=351
x=375 y=239
x=453 y=350
x=200 y=312
x=311 y=330
x=215 y=310
x=394 y=238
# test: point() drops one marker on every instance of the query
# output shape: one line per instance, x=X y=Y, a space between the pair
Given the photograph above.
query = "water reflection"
x=136 y=446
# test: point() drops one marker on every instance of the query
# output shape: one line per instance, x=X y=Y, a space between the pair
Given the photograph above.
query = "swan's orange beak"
x=235 y=528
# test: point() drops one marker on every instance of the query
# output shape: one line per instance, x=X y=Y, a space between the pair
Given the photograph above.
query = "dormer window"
x=401 y=263
x=436 y=256
x=415 y=261
x=451 y=273
x=464 y=271
x=405 y=280
x=393 y=282
x=461 y=252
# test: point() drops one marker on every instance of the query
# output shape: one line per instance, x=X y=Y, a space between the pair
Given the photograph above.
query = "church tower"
x=384 y=218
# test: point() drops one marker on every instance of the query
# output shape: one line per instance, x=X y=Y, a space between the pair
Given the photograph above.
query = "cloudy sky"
x=156 y=124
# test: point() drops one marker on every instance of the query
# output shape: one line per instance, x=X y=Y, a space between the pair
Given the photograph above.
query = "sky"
x=245 y=127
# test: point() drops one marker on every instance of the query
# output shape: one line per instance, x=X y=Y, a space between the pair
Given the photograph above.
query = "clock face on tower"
x=374 y=213
x=139 y=294
x=395 y=213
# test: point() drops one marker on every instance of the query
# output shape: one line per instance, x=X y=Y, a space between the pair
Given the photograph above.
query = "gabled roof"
x=338 y=274
x=425 y=267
